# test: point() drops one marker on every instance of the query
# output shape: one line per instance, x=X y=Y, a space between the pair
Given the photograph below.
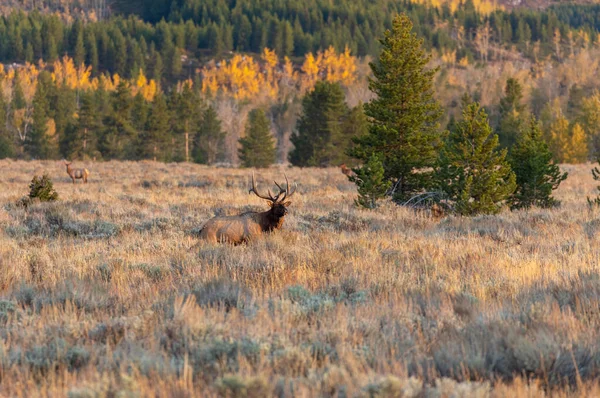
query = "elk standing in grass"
x=241 y=228
x=77 y=173
x=346 y=170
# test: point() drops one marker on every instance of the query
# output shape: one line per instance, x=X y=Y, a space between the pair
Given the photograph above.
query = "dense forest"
x=90 y=85
x=172 y=36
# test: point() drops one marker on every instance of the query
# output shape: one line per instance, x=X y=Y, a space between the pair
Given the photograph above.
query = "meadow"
x=109 y=292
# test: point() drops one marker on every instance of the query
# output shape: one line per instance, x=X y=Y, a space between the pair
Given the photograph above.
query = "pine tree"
x=536 y=173
x=185 y=106
x=157 y=69
x=79 y=48
x=319 y=127
x=209 y=138
x=37 y=143
x=355 y=124
x=64 y=106
x=512 y=120
x=7 y=144
x=371 y=183
x=82 y=134
x=473 y=174
x=596 y=176
x=119 y=134
x=258 y=146
x=404 y=115
x=91 y=49
x=155 y=137
x=140 y=110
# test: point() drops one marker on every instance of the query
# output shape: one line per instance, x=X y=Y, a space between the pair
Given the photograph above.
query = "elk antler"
x=286 y=191
x=277 y=198
x=255 y=190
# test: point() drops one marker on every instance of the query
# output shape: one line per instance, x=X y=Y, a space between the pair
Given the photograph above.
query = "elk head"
x=279 y=202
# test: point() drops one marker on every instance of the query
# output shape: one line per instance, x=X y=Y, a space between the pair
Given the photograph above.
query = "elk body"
x=77 y=174
x=346 y=170
x=241 y=228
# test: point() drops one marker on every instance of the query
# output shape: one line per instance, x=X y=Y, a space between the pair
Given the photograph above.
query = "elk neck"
x=271 y=220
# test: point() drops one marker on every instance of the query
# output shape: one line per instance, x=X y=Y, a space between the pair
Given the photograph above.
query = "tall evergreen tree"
x=154 y=138
x=536 y=173
x=355 y=125
x=404 y=115
x=208 y=145
x=91 y=50
x=512 y=114
x=37 y=143
x=83 y=133
x=118 y=134
x=79 y=48
x=258 y=146
x=473 y=173
x=7 y=144
x=140 y=110
x=64 y=106
x=185 y=106
x=320 y=127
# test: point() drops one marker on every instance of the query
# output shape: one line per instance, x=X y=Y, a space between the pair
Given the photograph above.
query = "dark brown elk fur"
x=241 y=228
x=76 y=173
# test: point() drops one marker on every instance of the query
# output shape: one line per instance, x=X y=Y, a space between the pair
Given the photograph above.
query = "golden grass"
x=109 y=291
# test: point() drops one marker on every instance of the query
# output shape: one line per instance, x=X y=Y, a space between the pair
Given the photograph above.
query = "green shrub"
x=371 y=183
x=42 y=188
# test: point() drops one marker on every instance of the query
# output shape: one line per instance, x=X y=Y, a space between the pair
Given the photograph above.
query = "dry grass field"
x=109 y=293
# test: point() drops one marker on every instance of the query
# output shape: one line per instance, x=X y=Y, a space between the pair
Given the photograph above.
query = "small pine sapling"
x=371 y=183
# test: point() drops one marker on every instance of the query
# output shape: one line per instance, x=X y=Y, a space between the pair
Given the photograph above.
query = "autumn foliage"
x=244 y=77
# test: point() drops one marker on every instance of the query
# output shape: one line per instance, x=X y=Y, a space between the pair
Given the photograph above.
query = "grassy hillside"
x=109 y=291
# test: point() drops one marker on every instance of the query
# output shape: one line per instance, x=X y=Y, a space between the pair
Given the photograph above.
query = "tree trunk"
x=187 y=146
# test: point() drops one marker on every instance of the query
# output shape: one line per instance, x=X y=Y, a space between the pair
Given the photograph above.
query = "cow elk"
x=347 y=170
x=76 y=174
x=241 y=228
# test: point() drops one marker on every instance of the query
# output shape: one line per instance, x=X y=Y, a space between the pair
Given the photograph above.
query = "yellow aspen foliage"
x=241 y=78
x=576 y=150
x=270 y=58
x=311 y=67
x=65 y=73
x=559 y=137
x=189 y=83
x=28 y=77
x=288 y=68
x=449 y=57
x=147 y=88
x=590 y=107
x=338 y=68
x=482 y=6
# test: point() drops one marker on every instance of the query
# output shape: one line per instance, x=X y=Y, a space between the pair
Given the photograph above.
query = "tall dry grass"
x=109 y=292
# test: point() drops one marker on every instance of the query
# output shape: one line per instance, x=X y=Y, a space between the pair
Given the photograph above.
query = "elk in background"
x=76 y=173
x=241 y=228
x=347 y=170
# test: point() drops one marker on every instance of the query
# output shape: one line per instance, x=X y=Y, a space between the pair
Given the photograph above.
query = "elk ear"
x=270 y=203
x=286 y=204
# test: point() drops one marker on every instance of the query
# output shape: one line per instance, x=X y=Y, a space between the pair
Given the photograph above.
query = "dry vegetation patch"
x=109 y=291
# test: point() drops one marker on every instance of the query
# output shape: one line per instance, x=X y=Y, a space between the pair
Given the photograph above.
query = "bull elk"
x=76 y=174
x=241 y=228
